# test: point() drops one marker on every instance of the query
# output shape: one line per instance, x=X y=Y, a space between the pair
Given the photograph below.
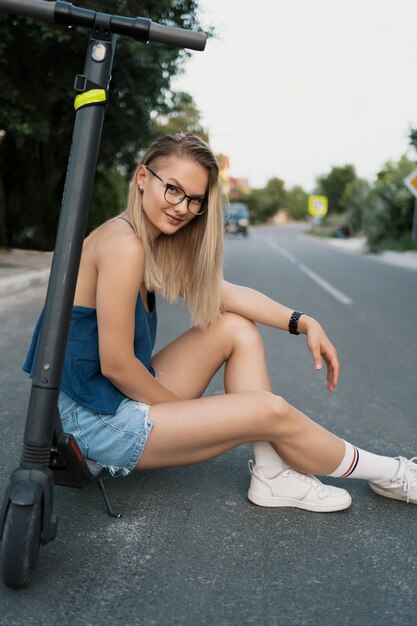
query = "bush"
x=389 y=210
x=334 y=184
x=297 y=203
x=354 y=199
x=265 y=203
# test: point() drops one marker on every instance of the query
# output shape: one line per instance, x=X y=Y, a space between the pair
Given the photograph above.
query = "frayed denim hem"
x=117 y=472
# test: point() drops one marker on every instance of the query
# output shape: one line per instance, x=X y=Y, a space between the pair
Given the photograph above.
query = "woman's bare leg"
x=190 y=431
x=187 y=365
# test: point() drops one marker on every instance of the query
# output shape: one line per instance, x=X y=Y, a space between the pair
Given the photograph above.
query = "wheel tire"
x=20 y=544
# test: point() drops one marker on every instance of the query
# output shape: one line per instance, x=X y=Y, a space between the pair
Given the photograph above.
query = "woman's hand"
x=259 y=308
x=321 y=349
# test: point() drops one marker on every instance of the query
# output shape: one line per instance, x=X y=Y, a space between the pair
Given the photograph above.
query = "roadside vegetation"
x=381 y=211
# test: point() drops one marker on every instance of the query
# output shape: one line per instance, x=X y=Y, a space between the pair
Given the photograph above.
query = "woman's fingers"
x=333 y=369
x=321 y=348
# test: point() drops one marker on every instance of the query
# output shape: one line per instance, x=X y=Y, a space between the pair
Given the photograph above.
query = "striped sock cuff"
x=349 y=462
x=353 y=464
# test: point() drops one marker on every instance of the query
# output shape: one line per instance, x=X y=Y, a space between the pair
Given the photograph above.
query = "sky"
x=290 y=88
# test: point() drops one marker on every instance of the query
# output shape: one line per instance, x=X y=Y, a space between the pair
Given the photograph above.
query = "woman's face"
x=187 y=175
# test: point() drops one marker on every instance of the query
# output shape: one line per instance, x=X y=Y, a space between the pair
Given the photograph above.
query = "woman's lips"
x=172 y=219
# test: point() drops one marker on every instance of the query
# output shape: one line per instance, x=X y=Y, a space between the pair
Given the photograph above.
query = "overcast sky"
x=290 y=88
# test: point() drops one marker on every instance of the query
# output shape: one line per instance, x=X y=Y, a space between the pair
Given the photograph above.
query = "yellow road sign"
x=317 y=206
x=411 y=182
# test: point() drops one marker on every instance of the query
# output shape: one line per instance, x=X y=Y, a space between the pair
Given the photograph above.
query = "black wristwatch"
x=293 y=324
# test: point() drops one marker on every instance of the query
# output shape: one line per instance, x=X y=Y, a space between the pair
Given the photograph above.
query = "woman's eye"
x=196 y=202
x=175 y=191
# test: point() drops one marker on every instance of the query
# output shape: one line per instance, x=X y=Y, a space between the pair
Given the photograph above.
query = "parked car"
x=236 y=218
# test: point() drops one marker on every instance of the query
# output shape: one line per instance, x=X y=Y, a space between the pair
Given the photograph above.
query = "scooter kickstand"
x=109 y=505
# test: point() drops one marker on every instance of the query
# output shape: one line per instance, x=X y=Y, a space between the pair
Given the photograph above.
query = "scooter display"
x=50 y=456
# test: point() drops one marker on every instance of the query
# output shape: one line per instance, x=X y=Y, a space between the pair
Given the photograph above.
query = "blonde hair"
x=188 y=263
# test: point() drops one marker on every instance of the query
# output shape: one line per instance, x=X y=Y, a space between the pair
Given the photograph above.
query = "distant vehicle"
x=236 y=218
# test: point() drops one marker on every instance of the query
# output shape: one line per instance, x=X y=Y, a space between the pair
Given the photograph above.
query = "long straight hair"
x=188 y=263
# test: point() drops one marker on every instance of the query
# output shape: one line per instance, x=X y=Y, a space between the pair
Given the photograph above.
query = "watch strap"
x=293 y=323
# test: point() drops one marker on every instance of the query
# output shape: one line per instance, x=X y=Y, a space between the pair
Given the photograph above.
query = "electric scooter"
x=49 y=455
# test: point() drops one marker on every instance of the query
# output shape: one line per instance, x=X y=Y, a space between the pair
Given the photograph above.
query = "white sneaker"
x=291 y=488
x=403 y=486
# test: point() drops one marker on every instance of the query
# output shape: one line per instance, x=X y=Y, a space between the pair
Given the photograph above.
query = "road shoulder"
x=357 y=245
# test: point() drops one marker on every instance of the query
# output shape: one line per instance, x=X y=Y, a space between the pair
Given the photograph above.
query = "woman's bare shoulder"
x=116 y=241
x=113 y=257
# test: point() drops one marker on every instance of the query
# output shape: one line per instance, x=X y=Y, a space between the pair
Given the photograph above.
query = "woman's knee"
x=275 y=412
x=239 y=330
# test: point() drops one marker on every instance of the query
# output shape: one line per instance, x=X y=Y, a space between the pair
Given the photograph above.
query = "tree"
x=355 y=199
x=389 y=215
x=413 y=137
x=333 y=185
x=180 y=115
x=297 y=203
x=265 y=203
x=38 y=63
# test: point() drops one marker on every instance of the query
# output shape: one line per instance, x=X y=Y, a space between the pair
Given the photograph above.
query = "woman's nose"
x=182 y=207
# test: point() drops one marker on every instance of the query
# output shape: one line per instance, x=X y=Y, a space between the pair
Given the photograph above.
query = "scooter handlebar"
x=40 y=9
x=179 y=37
x=66 y=14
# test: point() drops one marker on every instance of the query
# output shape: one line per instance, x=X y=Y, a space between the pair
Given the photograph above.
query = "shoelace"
x=310 y=480
x=410 y=467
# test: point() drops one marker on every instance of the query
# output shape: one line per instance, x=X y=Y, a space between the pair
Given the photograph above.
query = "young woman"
x=129 y=410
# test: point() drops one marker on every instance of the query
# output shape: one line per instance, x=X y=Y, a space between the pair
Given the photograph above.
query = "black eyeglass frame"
x=167 y=186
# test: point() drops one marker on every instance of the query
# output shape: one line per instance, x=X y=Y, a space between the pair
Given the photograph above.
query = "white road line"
x=339 y=295
x=284 y=252
x=336 y=293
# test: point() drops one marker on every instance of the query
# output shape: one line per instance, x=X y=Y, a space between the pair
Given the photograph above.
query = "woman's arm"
x=120 y=263
x=259 y=308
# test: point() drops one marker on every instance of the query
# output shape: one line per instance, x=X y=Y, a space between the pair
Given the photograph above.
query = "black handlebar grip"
x=179 y=37
x=39 y=9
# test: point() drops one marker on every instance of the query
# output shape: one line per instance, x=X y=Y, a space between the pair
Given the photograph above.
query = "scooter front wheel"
x=20 y=544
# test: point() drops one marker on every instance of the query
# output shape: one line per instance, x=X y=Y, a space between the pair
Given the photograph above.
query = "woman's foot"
x=403 y=485
x=293 y=489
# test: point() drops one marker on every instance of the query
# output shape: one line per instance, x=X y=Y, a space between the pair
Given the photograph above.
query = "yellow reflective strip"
x=90 y=97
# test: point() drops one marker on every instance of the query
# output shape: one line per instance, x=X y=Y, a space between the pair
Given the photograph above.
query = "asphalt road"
x=189 y=548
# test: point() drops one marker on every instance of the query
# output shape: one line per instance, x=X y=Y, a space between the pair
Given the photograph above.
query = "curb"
x=19 y=282
x=356 y=245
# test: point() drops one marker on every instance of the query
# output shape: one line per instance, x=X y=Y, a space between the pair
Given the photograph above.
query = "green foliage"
x=297 y=203
x=354 y=199
x=389 y=210
x=413 y=138
x=333 y=185
x=180 y=116
x=109 y=197
x=38 y=63
x=265 y=203
x=382 y=211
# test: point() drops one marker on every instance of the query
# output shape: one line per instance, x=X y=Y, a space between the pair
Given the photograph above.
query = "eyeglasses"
x=175 y=195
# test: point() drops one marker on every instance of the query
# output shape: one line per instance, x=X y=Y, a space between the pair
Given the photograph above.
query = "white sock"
x=359 y=463
x=268 y=459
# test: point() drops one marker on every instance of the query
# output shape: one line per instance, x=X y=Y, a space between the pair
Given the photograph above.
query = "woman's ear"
x=141 y=175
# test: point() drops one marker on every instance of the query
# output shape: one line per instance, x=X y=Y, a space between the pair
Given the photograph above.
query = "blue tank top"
x=82 y=378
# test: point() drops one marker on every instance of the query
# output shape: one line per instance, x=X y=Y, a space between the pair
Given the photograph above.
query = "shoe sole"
x=297 y=504
x=388 y=494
